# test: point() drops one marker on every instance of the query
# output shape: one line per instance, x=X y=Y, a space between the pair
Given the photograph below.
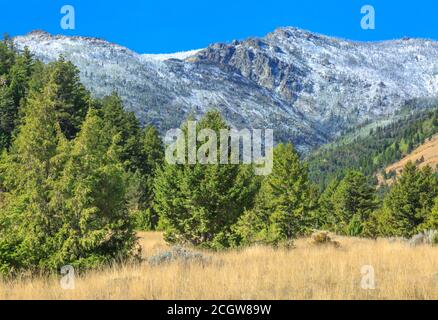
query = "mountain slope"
x=306 y=86
x=425 y=155
x=374 y=147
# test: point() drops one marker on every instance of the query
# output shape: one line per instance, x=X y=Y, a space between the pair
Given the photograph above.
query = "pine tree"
x=7 y=118
x=7 y=55
x=354 y=200
x=198 y=203
x=28 y=219
x=64 y=202
x=96 y=225
x=324 y=218
x=283 y=206
x=153 y=155
x=140 y=152
x=13 y=89
x=410 y=201
x=117 y=121
x=72 y=99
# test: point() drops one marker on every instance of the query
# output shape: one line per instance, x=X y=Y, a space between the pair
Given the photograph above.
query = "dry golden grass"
x=306 y=272
x=428 y=151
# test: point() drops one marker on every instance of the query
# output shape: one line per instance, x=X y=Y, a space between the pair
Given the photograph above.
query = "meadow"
x=308 y=271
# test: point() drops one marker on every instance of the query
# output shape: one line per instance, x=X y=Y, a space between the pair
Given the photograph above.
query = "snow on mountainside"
x=307 y=87
x=177 y=55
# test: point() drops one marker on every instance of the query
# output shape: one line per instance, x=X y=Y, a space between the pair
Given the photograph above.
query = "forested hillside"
x=372 y=151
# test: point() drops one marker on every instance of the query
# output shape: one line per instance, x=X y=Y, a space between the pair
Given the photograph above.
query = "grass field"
x=305 y=272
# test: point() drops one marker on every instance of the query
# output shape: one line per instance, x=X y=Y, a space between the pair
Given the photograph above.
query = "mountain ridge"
x=307 y=86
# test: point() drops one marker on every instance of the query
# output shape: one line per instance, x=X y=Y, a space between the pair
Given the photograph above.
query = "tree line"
x=372 y=152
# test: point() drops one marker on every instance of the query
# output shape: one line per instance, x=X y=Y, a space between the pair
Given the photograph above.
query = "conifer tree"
x=324 y=218
x=96 y=225
x=433 y=217
x=153 y=155
x=410 y=201
x=198 y=203
x=354 y=200
x=283 y=205
x=7 y=118
x=72 y=100
x=29 y=220
x=140 y=152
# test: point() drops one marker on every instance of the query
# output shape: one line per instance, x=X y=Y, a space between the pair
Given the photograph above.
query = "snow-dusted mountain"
x=306 y=86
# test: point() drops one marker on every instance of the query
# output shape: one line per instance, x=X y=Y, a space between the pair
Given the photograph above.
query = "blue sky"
x=148 y=26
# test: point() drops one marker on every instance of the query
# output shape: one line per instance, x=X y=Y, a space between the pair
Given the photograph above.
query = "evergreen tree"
x=117 y=121
x=433 y=217
x=140 y=152
x=63 y=203
x=324 y=218
x=410 y=201
x=153 y=154
x=7 y=118
x=7 y=55
x=28 y=218
x=72 y=100
x=198 y=203
x=353 y=200
x=96 y=225
x=283 y=206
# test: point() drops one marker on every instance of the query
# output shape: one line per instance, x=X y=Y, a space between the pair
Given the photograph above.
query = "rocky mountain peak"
x=307 y=86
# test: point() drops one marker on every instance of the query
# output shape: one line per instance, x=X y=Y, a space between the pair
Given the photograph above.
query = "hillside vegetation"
x=425 y=155
x=372 y=152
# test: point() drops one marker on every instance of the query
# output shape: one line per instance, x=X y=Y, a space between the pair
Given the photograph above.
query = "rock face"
x=305 y=86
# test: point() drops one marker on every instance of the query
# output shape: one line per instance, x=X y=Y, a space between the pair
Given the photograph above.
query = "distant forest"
x=373 y=151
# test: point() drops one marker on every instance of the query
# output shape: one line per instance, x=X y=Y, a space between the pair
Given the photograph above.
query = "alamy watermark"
x=68 y=21
x=183 y=147
x=368 y=21
x=368 y=280
x=67 y=282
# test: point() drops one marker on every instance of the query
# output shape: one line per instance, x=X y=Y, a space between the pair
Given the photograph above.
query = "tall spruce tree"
x=283 y=205
x=153 y=155
x=63 y=202
x=199 y=203
x=140 y=151
x=28 y=218
x=324 y=215
x=410 y=201
x=354 y=200
x=72 y=100
x=96 y=225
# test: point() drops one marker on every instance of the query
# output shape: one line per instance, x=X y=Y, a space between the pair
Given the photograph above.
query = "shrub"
x=425 y=237
x=324 y=238
x=179 y=254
